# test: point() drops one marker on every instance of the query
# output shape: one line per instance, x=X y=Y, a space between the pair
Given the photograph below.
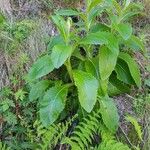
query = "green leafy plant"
x=98 y=57
x=51 y=136
x=136 y=125
x=12 y=36
x=3 y=146
x=6 y=106
x=15 y=117
x=85 y=132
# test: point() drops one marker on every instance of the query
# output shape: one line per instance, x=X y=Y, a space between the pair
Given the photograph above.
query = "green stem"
x=82 y=112
x=69 y=85
x=88 y=52
x=69 y=69
x=104 y=87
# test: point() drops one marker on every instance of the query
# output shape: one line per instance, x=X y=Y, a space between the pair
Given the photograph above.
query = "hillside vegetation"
x=74 y=75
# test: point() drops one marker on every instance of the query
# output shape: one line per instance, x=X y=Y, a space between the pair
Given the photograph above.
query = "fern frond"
x=52 y=135
x=109 y=142
x=136 y=125
x=112 y=145
x=3 y=146
x=83 y=135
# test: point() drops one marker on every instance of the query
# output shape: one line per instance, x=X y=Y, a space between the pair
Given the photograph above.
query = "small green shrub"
x=98 y=57
x=14 y=34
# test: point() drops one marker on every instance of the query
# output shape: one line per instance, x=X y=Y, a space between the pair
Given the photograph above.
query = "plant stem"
x=69 y=68
x=104 y=87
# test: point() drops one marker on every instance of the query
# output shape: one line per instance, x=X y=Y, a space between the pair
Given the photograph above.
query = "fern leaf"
x=3 y=146
x=82 y=136
x=51 y=136
x=112 y=145
x=136 y=125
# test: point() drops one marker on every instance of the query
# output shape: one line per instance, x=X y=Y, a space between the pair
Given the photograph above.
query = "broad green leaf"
x=94 y=12
x=99 y=27
x=107 y=62
x=116 y=87
x=62 y=26
x=76 y=53
x=55 y=41
x=113 y=90
x=40 y=68
x=67 y=12
x=91 y=66
x=52 y=104
x=102 y=38
x=114 y=19
x=125 y=30
x=81 y=66
x=60 y=23
x=131 y=10
x=59 y=54
x=96 y=38
x=93 y=4
x=109 y=113
x=123 y=72
x=129 y=15
x=133 y=67
x=38 y=89
x=87 y=86
x=135 y=43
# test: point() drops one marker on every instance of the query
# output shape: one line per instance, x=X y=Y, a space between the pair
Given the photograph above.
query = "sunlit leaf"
x=59 y=55
x=107 y=62
x=87 y=86
x=40 y=68
x=125 y=30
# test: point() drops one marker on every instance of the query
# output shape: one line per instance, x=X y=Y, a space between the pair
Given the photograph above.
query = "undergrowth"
x=65 y=101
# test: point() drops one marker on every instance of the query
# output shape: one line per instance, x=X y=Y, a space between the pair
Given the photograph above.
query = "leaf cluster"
x=112 y=70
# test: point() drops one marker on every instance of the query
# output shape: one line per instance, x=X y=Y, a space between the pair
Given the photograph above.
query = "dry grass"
x=5 y=7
